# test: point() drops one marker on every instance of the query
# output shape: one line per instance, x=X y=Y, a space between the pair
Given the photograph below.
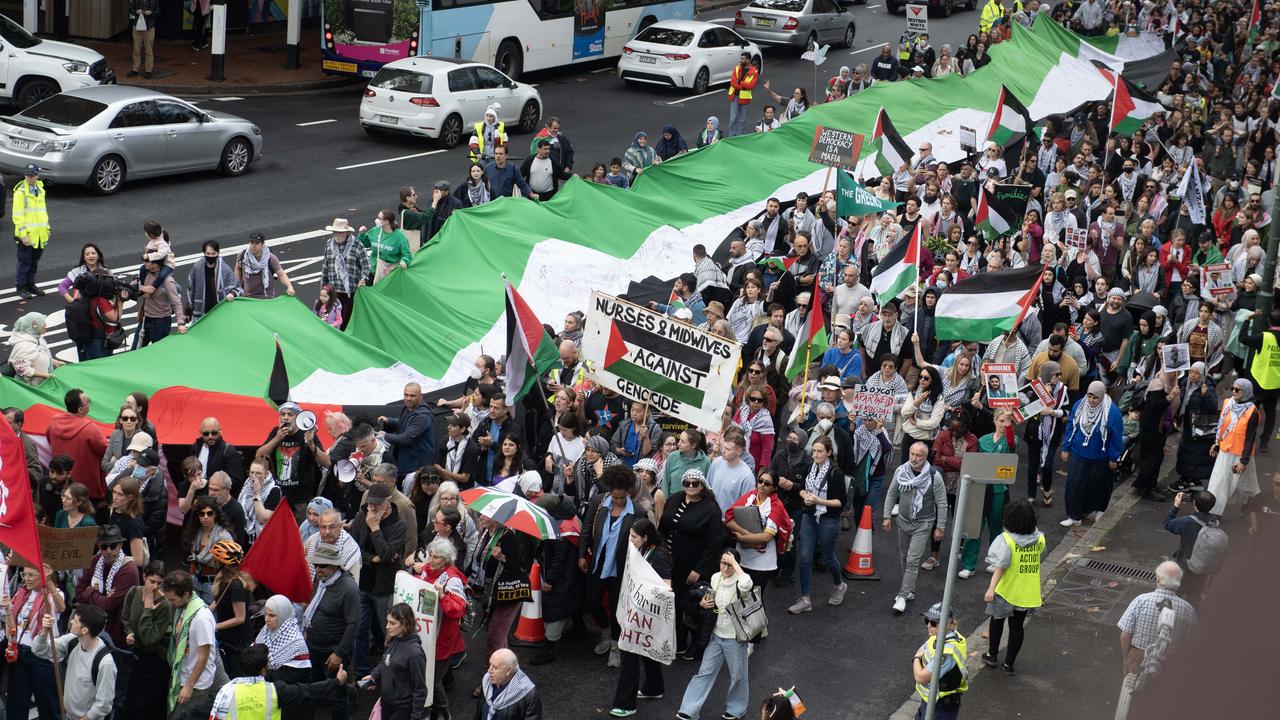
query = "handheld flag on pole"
x=815 y=342
x=17 y=514
x=984 y=306
x=891 y=151
x=530 y=350
x=1010 y=125
x=899 y=270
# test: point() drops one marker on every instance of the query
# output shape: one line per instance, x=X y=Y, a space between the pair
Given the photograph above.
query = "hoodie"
x=80 y=439
x=401 y=677
x=999 y=555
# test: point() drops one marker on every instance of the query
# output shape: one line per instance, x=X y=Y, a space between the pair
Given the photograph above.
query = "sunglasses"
x=210 y=433
x=111 y=546
x=128 y=418
x=208 y=513
x=692 y=483
x=753 y=371
x=931 y=623
x=765 y=483
x=756 y=399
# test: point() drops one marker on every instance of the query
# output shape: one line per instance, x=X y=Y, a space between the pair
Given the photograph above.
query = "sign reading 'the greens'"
x=657 y=359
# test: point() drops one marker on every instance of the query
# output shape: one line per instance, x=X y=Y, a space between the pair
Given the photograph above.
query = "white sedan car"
x=442 y=99
x=684 y=54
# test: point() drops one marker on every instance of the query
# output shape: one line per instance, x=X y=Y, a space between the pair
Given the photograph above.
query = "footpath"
x=1070 y=665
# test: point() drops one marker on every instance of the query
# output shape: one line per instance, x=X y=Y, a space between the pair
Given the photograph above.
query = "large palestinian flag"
x=979 y=308
x=430 y=322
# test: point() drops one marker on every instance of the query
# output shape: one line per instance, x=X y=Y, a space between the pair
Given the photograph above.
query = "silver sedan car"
x=798 y=23
x=101 y=136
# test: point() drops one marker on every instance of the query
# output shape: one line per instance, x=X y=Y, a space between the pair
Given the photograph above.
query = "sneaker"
x=641 y=696
x=837 y=594
x=1007 y=669
x=1155 y=495
x=683 y=716
x=619 y=712
x=25 y=294
x=147 y=74
x=751 y=648
x=899 y=605
x=911 y=596
x=688 y=654
x=1069 y=523
x=990 y=659
x=1096 y=515
x=803 y=605
x=965 y=574
x=605 y=643
x=132 y=73
x=35 y=291
x=929 y=564
x=991 y=569
x=729 y=716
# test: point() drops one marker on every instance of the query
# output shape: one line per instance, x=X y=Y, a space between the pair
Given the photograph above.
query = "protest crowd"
x=871 y=364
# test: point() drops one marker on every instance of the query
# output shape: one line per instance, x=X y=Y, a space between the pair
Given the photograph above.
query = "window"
x=710 y=39
x=462 y=79
x=139 y=114
x=64 y=110
x=401 y=80
x=823 y=6
x=16 y=35
x=792 y=6
x=172 y=113
x=665 y=36
x=489 y=79
x=729 y=38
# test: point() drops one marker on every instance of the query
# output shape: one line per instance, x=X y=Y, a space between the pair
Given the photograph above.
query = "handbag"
x=746 y=612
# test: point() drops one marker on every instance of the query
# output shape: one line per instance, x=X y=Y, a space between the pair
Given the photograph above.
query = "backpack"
x=1209 y=549
x=107 y=647
x=79 y=326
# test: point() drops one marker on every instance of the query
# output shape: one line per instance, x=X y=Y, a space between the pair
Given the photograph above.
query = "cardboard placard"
x=835 y=148
x=64 y=548
x=1216 y=280
x=1028 y=411
x=917 y=19
x=424 y=598
x=1042 y=392
x=1177 y=357
x=1001 y=382
x=872 y=402
x=1076 y=238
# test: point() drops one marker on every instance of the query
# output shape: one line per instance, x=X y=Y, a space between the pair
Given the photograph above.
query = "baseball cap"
x=378 y=494
x=32 y=170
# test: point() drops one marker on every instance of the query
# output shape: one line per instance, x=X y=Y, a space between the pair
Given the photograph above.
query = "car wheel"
x=451 y=131
x=107 y=175
x=509 y=60
x=701 y=81
x=236 y=157
x=895 y=8
x=947 y=8
x=529 y=116
x=34 y=91
x=848 y=36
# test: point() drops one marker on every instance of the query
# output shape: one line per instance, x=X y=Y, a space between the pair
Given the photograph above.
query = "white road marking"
x=227 y=99
x=316 y=122
x=695 y=97
x=394 y=159
x=866 y=49
x=871 y=7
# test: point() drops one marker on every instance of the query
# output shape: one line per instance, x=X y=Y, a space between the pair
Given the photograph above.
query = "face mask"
x=210 y=261
x=824 y=425
x=475 y=373
x=139 y=473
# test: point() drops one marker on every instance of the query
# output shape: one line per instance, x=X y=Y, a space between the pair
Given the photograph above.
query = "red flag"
x=277 y=559
x=17 y=514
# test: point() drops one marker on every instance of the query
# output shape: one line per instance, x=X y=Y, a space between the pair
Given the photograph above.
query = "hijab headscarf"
x=1199 y=367
x=285 y=643
x=320 y=505
x=795 y=453
x=1089 y=418
x=32 y=324
x=1237 y=408
x=667 y=149
x=1047 y=370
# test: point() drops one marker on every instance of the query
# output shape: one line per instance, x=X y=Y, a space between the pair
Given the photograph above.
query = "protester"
x=400 y=679
x=920 y=500
x=724 y=648
x=644 y=537
x=31 y=666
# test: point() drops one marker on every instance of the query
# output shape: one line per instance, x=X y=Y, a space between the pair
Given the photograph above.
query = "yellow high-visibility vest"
x=31 y=214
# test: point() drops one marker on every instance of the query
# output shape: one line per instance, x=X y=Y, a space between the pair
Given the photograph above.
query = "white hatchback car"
x=441 y=99
x=684 y=54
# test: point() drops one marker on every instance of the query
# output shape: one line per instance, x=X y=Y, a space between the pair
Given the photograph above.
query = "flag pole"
x=1022 y=312
x=826 y=181
x=53 y=651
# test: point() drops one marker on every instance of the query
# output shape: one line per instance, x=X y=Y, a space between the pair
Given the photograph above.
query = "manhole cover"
x=1097 y=591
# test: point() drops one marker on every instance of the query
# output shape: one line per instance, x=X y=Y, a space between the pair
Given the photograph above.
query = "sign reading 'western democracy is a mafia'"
x=657 y=359
x=835 y=148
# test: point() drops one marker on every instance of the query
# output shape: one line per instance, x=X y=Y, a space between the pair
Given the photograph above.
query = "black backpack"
x=105 y=648
x=79 y=326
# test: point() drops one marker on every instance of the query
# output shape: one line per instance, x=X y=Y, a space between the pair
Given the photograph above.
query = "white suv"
x=442 y=99
x=32 y=69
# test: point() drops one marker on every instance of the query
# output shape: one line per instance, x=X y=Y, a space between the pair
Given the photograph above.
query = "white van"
x=32 y=69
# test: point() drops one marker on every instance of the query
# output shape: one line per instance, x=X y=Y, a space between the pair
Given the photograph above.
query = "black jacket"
x=512 y=427
x=528 y=707
x=223 y=457
x=386 y=544
x=401 y=676
x=337 y=618
x=444 y=209
x=561 y=579
x=470 y=458
x=698 y=539
x=593 y=530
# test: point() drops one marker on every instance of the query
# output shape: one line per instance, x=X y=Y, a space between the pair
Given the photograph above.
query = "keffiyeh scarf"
x=252 y=526
x=100 y=566
x=816 y=483
x=285 y=643
x=317 y=597
x=916 y=483
x=258 y=266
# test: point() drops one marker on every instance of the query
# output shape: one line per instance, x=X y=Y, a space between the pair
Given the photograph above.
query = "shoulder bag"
x=746 y=612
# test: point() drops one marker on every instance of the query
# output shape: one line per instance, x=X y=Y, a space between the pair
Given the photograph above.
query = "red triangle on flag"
x=616 y=349
x=531 y=331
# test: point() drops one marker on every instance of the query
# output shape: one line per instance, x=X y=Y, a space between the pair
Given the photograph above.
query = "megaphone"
x=346 y=471
x=305 y=420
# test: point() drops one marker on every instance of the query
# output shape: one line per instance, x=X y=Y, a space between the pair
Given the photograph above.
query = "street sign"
x=983 y=469
x=917 y=19
x=835 y=148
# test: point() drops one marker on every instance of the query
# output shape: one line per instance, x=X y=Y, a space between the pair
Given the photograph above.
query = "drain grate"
x=1117 y=569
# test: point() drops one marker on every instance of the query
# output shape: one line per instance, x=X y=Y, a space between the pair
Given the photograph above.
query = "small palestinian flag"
x=891 y=150
x=530 y=350
x=1010 y=122
x=981 y=307
x=1130 y=107
x=675 y=302
x=778 y=263
x=899 y=270
x=996 y=217
x=1255 y=20
x=815 y=343
x=656 y=363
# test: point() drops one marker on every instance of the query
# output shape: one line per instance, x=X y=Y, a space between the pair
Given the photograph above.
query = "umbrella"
x=512 y=511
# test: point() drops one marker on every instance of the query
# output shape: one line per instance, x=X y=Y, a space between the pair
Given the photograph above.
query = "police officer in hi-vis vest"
x=954 y=680
x=1263 y=361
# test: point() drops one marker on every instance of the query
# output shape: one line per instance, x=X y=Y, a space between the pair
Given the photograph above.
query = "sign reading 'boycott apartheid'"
x=836 y=148
x=659 y=360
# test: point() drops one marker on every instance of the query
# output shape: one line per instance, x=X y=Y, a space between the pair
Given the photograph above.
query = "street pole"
x=1266 y=293
x=31 y=16
x=218 y=46
x=935 y=668
x=293 y=33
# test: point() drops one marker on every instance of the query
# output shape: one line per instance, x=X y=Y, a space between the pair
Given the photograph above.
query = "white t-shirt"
x=540 y=175
x=200 y=634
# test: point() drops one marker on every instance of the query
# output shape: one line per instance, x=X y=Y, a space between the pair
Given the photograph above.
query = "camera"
x=106 y=285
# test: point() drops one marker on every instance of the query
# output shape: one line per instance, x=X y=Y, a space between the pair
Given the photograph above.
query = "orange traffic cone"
x=859 y=566
x=530 y=628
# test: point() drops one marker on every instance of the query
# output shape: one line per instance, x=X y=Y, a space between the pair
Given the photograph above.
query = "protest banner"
x=917 y=19
x=64 y=548
x=1077 y=238
x=657 y=359
x=646 y=611
x=1001 y=382
x=1177 y=357
x=424 y=598
x=872 y=402
x=835 y=148
x=1042 y=392
x=1215 y=280
x=1028 y=411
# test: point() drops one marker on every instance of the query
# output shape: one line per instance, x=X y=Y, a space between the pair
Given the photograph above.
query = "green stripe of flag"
x=660 y=384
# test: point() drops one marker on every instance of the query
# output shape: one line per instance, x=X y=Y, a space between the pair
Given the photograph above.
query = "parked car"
x=442 y=99
x=798 y=23
x=684 y=54
x=102 y=136
x=32 y=69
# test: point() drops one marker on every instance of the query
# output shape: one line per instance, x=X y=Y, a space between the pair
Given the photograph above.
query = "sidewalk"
x=1069 y=665
x=254 y=64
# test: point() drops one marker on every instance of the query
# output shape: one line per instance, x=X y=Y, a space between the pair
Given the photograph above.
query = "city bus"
x=515 y=36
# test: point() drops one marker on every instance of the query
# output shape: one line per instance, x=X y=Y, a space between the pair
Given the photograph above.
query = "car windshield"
x=401 y=80
x=66 y=110
x=794 y=6
x=16 y=35
x=665 y=36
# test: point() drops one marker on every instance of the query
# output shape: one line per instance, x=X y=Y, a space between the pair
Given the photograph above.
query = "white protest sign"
x=646 y=611
x=424 y=598
x=917 y=19
x=872 y=402
x=657 y=359
x=1177 y=357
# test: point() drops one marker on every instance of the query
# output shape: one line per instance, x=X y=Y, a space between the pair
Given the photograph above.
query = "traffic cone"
x=858 y=567
x=530 y=628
